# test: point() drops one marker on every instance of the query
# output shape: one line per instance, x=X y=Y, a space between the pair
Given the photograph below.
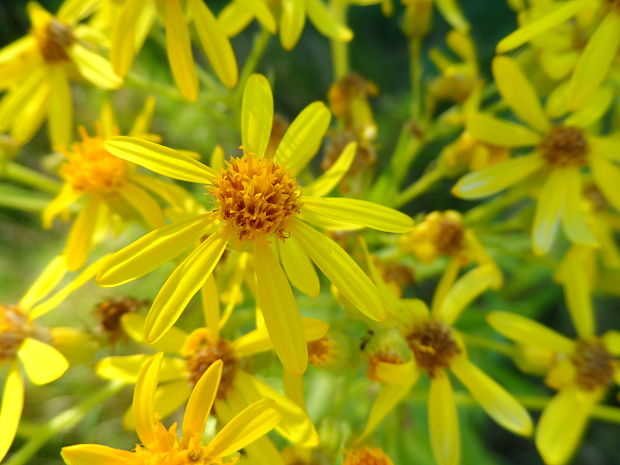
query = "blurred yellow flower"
x=560 y=153
x=160 y=446
x=37 y=69
x=258 y=201
x=367 y=456
x=136 y=17
x=436 y=348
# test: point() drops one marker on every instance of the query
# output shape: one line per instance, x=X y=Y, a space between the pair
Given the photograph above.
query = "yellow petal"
x=298 y=267
x=389 y=397
x=496 y=177
x=151 y=251
x=443 y=423
x=48 y=280
x=211 y=306
x=595 y=61
x=11 y=408
x=262 y=13
x=328 y=223
x=168 y=398
x=43 y=363
x=257 y=341
x=215 y=43
x=606 y=147
x=144 y=400
x=123 y=50
x=323 y=20
x=172 y=342
x=303 y=137
x=292 y=22
x=611 y=339
x=127 y=368
x=170 y=192
x=184 y=282
x=234 y=18
x=493 y=398
x=575 y=279
x=529 y=332
x=60 y=108
x=71 y=11
x=592 y=110
x=94 y=68
x=369 y=214
x=340 y=269
x=143 y=121
x=607 y=178
x=81 y=235
x=179 y=49
x=469 y=287
x=499 y=132
x=277 y=302
x=562 y=423
x=144 y=204
x=294 y=424
x=160 y=159
x=559 y=15
x=94 y=454
x=201 y=400
x=256 y=114
x=518 y=93
x=548 y=212
x=65 y=198
x=328 y=181
x=246 y=427
x=452 y=13
x=397 y=373
x=574 y=217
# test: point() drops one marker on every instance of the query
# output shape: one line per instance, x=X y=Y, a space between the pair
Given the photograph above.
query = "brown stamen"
x=433 y=346
x=594 y=364
x=14 y=329
x=565 y=146
x=110 y=312
x=54 y=40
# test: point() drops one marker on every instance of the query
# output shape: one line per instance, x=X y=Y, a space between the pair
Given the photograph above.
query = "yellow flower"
x=367 y=456
x=161 y=446
x=418 y=16
x=436 y=348
x=348 y=100
x=26 y=343
x=582 y=369
x=292 y=14
x=107 y=186
x=260 y=209
x=136 y=17
x=560 y=153
x=601 y=48
x=37 y=69
x=189 y=355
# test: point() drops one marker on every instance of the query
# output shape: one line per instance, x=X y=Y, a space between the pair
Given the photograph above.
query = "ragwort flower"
x=561 y=151
x=37 y=70
x=161 y=446
x=135 y=17
x=436 y=348
x=259 y=208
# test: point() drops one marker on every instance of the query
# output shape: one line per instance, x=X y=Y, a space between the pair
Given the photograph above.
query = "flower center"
x=320 y=351
x=54 y=40
x=367 y=456
x=256 y=197
x=169 y=450
x=14 y=329
x=110 y=312
x=594 y=364
x=615 y=5
x=433 y=346
x=441 y=233
x=565 y=146
x=201 y=352
x=91 y=168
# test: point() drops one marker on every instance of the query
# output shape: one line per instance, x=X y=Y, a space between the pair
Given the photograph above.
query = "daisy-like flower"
x=561 y=151
x=160 y=446
x=189 y=355
x=292 y=18
x=582 y=370
x=601 y=48
x=37 y=70
x=435 y=348
x=136 y=17
x=25 y=346
x=259 y=208
x=108 y=187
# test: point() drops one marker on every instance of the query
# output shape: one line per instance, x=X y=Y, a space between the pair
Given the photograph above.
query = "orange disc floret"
x=367 y=456
x=90 y=168
x=565 y=146
x=53 y=40
x=593 y=363
x=14 y=329
x=433 y=346
x=256 y=197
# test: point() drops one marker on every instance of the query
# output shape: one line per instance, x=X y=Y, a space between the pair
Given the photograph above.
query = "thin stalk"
x=62 y=422
x=29 y=177
x=415 y=64
x=340 y=49
x=420 y=186
x=261 y=40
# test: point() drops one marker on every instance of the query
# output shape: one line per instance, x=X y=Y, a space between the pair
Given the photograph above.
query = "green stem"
x=62 y=422
x=22 y=200
x=420 y=186
x=29 y=177
x=340 y=49
x=135 y=80
x=415 y=63
x=261 y=40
